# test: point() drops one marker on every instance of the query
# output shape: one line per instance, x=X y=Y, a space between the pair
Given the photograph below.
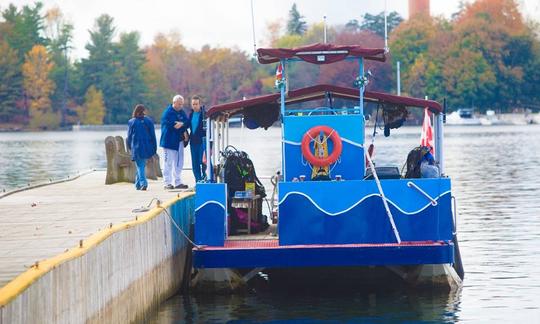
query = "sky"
x=223 y=23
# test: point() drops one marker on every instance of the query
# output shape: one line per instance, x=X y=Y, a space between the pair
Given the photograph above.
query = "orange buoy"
x=310 y=135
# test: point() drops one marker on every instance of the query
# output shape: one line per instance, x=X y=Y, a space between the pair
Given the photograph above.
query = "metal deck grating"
x=274 y=244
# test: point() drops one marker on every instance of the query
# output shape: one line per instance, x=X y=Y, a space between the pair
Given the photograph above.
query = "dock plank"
x=42 y=222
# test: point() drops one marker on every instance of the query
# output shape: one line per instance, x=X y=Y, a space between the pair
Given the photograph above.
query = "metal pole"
x=282 y=109
x=208 y=157
x=439 y=139
x=398 y=78
x=227 y=137
x=324 y=19
x=253 y=30
x=386 y=49
x=223 y=130
x=214 y=142
x=361 y=63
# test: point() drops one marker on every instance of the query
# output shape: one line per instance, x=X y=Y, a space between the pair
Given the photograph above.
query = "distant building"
x=418 y=7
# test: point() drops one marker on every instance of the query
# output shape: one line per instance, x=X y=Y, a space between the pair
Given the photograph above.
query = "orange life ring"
x=334 y=136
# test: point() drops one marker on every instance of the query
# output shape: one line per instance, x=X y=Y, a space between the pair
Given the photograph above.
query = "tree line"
x=485 y=56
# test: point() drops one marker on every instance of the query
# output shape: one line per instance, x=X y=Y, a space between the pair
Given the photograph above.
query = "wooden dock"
x=39 y=223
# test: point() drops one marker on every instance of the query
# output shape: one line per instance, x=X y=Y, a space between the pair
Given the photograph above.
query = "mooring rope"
x=158 y=205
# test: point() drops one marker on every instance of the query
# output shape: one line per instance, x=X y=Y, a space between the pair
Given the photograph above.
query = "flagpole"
x=386 y=49
x=324 y=19
x=253 y=30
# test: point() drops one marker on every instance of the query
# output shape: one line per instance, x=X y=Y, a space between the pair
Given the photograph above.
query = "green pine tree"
x=296 y=25
x=10 y=83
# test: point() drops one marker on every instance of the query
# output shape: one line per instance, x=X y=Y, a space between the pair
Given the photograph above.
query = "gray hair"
x=176 y=98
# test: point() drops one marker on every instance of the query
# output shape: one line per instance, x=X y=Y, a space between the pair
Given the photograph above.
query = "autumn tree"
x=155 y=72
x=21 y=29
x=38 y=87
x=170 y=59
x=496 y=29
x=93 y=110
x=223 y=72
x=411 y=39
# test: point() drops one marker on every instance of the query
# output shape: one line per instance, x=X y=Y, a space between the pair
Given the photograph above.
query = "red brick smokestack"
x=418 y=7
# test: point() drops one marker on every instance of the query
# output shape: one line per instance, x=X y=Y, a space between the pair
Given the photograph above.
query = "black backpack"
x=414 y=159
x=239 y=169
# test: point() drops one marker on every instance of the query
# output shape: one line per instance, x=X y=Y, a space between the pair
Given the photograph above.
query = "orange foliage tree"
x=216 y=74
x=486 y=57
x=38 y=87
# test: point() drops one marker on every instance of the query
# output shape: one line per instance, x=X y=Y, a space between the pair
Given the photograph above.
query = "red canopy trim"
x=319 y=92
x=320 y=53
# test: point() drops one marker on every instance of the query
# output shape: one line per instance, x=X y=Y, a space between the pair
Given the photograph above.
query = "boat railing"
x=323 y=110
x=413 y=185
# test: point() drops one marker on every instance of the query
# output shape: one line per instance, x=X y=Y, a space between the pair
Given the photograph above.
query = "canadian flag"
x=279 y=72
x=427 y=131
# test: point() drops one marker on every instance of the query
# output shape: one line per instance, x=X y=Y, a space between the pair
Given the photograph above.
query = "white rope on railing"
x=385 y=203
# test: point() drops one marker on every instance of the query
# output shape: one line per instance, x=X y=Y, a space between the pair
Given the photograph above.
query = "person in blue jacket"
x=174 y=124
x=197 y=139
x=141 y=141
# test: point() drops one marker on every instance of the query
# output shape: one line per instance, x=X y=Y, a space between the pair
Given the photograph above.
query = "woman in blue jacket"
x=141 y=140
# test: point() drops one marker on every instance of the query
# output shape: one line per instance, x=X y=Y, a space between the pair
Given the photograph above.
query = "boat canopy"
x=320 y=53
x=271 y=102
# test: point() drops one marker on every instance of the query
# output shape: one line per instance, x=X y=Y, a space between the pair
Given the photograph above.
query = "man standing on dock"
x=197 y=138
x=174 y=123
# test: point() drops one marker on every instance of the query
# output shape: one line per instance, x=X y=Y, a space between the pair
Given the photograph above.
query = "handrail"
x=454 y=212
x=413 y=185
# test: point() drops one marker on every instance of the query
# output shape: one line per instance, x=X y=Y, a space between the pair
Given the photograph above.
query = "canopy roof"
x=320 y=53
x=319 y=92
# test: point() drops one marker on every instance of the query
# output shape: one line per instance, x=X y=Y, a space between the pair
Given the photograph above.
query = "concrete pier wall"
x=116 y=275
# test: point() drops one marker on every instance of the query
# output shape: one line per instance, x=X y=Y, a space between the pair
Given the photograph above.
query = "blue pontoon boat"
x=336 y=211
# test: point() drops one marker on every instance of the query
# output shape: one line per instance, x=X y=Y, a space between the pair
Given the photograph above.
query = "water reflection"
x=318 y=306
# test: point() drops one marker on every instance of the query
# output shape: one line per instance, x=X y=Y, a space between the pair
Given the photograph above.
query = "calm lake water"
x=496 y=180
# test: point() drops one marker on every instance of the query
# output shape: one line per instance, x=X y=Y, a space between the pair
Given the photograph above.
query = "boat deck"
x=251 y=252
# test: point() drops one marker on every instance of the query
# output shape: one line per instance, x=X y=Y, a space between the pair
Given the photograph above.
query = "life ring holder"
x=336 y=140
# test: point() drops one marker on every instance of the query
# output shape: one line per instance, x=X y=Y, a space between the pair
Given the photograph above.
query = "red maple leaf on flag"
x=427 y=131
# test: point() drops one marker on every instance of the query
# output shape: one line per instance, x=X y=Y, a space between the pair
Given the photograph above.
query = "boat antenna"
x=253 y=30
x=324 y=22
x=386 y=49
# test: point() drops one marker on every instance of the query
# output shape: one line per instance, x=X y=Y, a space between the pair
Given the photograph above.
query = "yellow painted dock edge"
x=36 y=271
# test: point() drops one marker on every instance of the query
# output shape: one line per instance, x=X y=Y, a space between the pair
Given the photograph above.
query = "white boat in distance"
x=491 y=119
x=462 y=117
